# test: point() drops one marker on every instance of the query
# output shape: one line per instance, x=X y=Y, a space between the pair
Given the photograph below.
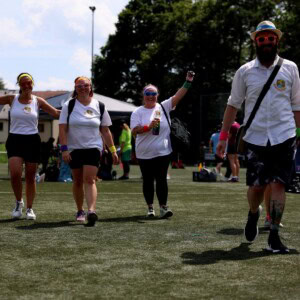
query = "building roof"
x=116 y=108
x=112 y=105
x=48 y=94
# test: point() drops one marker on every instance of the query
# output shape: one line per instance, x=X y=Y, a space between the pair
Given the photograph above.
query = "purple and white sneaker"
x=80 y=216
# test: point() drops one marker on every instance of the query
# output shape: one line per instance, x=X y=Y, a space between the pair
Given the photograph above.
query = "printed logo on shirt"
x=27 y=109
x=280 y=85
x=89 y=113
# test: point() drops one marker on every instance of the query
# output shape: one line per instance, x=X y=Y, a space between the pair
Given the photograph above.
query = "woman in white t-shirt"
x=23 y=144
x=153 y=146
x=81 y=145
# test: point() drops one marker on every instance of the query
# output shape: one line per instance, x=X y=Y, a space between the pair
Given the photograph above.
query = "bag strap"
x=70 y=109
x=166 y=115
x=263 y=93
x=101 y=109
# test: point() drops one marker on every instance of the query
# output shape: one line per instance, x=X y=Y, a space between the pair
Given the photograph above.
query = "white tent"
x=116 y=108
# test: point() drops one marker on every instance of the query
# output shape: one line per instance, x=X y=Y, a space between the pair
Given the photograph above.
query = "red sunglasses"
x=270 y=38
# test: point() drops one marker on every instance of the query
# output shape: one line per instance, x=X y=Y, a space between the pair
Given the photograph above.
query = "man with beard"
x=271 y=136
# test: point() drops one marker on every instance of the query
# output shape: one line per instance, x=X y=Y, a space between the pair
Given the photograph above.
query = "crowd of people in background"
x=231 y=158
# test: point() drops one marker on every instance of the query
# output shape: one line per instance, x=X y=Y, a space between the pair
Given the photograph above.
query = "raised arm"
x=183 y=90
x=8 y=99
x=45 y=106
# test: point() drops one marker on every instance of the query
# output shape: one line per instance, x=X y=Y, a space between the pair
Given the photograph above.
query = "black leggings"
x=155 y=169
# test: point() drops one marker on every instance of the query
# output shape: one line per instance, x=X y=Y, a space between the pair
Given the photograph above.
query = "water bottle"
x=155 y=130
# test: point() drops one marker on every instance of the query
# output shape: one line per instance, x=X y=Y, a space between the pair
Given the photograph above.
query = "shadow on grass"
x=9 y=220
x=239 y=231
x=242 y=252
x=138 y=219
x=47 y=225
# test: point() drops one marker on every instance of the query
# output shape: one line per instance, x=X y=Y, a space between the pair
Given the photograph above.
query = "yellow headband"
x=25 y=75
x=82 y=78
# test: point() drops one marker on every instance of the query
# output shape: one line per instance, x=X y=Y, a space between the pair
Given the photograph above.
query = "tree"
x=2 y=86
x=157 y=41
x=130 y=58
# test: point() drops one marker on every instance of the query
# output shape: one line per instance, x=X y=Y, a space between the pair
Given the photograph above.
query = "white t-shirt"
x=84 y=122
x=24 y=117
x=274 y=120
x=147 y=145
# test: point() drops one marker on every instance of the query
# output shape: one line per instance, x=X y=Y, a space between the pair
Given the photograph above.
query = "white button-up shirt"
x=274 y=120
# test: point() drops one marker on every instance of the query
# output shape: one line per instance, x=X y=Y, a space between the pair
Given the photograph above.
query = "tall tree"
x=157 y=40
x=130 y=58
x=2 y=86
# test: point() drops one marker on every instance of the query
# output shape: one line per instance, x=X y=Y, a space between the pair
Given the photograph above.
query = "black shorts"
x=218 y=159
x=271 y=163
x=231 y=149
x=85 y=157
x=27 y=147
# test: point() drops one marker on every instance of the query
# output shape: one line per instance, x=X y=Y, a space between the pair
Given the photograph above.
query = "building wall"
x=55 y=129
x=47 y=129
x=50 y=129
x=4 y=131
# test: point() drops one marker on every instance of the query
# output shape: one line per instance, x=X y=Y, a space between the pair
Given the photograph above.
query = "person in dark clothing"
x=47 y=150
x=105 y=171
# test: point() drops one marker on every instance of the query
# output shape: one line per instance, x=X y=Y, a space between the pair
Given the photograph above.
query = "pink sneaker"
x=80 y=216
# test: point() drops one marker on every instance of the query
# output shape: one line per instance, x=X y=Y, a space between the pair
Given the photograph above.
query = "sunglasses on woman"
x=150 y=93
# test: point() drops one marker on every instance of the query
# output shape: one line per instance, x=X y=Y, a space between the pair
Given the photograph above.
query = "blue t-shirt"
x=215 y=139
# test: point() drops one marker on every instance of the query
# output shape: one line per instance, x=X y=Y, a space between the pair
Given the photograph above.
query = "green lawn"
x=198 y=254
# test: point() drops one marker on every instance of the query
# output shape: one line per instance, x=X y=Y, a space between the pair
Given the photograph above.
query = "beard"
x=266 y=53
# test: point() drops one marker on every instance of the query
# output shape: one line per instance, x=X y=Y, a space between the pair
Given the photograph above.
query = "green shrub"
x=3 y=155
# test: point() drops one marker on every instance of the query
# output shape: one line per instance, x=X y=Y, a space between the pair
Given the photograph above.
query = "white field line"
x=112 y=193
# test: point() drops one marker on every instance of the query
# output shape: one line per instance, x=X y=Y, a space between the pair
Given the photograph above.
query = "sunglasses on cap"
x=270 y=38
x=150 y=93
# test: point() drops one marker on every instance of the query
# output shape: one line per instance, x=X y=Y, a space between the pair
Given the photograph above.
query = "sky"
x=52 y=39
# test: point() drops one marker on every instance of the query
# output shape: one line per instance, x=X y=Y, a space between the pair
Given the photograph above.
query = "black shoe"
x=275 y=245
x=251 y=228
x=91 y=219
x=123 y=177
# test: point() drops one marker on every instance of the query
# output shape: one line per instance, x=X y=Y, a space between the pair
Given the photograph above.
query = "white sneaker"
x=165 y=212
x=30 y=215
x=42 y=178
x=151 y=212
x=214 y=171
x=17 y=212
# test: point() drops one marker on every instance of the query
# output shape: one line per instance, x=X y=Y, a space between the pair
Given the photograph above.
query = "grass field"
x=198 y=254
